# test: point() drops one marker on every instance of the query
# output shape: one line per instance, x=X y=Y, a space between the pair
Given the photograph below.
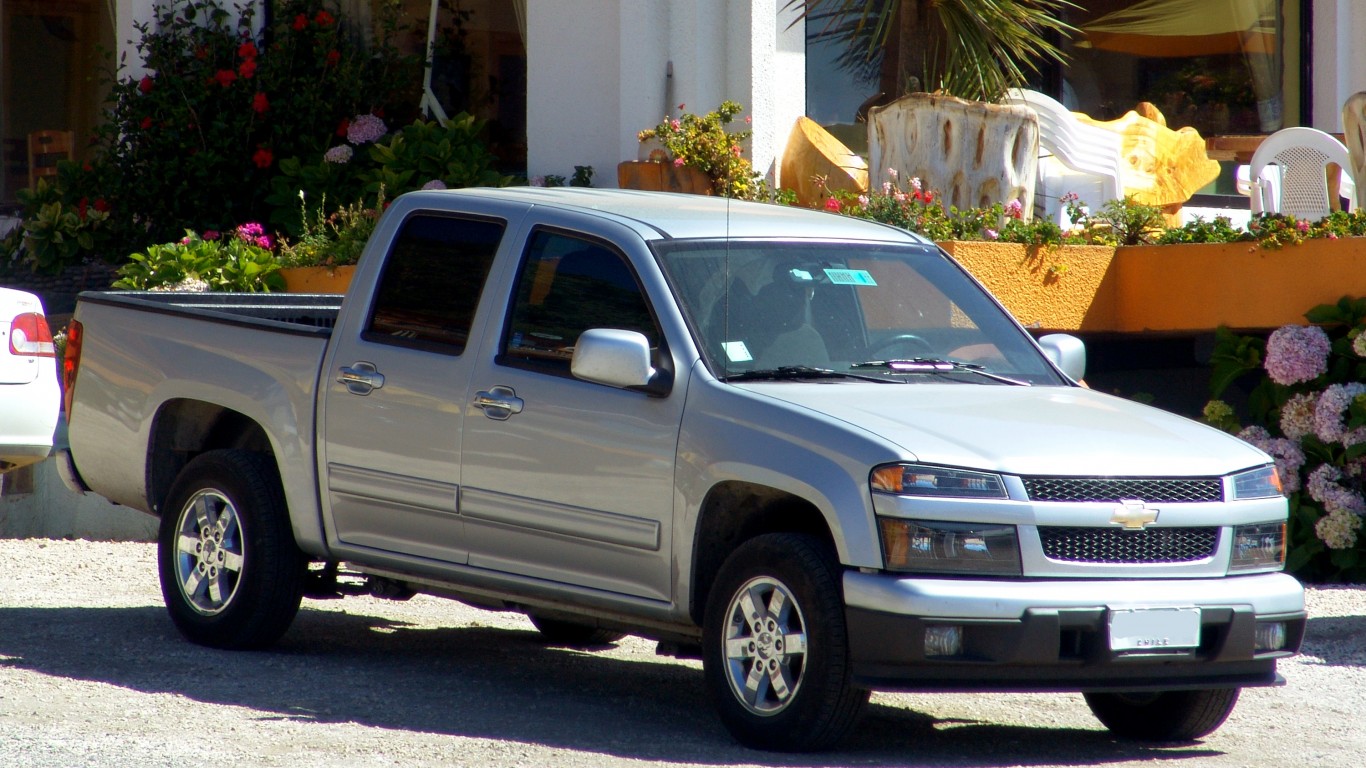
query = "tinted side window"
x=565 y=287
x=431 y=283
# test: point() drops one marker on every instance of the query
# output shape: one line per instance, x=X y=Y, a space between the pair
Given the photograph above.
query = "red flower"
x=263 y=158
x=260 y=104
x=82 y=206
x=247 y=50
x=300 y=23
x=342 y=127
x=201 y=53
x=323 y=19
x=101 y=205
x=146 y=123
x=831 y=204
x=145 y=84
x=332 y=58
x=247 y=69
x=225 y=77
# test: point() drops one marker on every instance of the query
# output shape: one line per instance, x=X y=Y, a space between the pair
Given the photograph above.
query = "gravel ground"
x=93 y=674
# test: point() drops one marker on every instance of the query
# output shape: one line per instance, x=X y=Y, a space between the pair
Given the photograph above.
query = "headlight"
x=1259 y=547
x=1259 y=483
x=966 y=548
x=922 y=480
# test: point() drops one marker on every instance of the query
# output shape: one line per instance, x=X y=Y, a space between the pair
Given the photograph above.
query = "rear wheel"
x=775 y=649
x=572 y=633
x=1163 y=715
x=231 y=574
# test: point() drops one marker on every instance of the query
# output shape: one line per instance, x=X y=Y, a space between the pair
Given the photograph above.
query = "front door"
x=567 y=481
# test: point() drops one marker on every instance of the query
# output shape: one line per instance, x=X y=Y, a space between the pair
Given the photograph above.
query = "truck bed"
x=312 y=313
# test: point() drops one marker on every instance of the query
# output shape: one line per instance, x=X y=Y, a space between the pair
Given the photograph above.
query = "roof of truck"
x=672 y=215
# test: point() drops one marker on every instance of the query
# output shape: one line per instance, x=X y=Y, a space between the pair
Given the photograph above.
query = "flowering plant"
x=239 y=261
x=199 y=137
x=704 y=142
x=335 y=239
x=1308 y=411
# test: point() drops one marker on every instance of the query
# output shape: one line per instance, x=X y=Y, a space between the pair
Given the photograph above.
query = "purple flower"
x=434 y=184
x=339 y=154
x=991 y=234
x=365 y=129
x=1297 y=353
x=1332 y=407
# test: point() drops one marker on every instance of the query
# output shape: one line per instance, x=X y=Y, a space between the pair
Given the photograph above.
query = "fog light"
x=1270 y=636
x=945 y=641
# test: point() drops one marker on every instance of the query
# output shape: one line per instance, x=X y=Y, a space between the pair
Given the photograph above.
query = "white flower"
x=1338 y=529
x=340 y=154
x=434 y=184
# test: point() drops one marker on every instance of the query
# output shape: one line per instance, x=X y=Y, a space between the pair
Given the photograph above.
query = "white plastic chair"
x=1297 y=159
x=1074 y=156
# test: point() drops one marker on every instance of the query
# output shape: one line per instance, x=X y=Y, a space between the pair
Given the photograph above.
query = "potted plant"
x=323 y=258
x=238 y=261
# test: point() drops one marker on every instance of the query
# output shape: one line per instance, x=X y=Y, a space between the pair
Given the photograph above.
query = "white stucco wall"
x=597 y=74
x=1339 y=56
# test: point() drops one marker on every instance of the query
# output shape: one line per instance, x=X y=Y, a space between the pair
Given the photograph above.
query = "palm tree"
x=972 y=49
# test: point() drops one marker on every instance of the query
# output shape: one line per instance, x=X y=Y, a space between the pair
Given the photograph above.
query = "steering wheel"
x=914 y=345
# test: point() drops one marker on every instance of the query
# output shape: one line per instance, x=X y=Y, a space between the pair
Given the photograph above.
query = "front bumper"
x=1053 y=635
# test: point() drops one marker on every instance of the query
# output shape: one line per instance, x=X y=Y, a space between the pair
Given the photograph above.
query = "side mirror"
x=613 y=357
x=1067 y=352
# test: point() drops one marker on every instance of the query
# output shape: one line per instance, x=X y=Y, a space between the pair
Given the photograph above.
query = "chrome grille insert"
x=1117 y=546
x=1153 y=490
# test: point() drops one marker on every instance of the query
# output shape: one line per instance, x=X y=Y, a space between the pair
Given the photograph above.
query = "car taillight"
x=29 y=336
x=71 y=362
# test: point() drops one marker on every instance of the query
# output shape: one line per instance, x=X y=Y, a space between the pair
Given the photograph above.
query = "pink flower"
x=1015 y=209
x=1302 y=225
x=831 y=204
x=678 y=162
x=211 y=234
x=991 y=234
x=365 y=129
x=1296 y=353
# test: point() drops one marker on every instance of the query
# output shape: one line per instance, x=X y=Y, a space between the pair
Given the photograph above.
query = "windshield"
x=882 y=310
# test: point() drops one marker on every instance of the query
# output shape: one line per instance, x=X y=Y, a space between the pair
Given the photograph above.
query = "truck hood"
x=1025 y=430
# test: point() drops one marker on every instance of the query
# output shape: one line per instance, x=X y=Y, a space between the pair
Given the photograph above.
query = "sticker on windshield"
x=737 y=352
x=850 y=277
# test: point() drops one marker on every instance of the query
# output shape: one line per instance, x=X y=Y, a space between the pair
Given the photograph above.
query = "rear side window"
x=431 y=282
x=566 y=286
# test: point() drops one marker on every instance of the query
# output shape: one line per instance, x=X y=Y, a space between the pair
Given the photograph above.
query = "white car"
x=30 y=395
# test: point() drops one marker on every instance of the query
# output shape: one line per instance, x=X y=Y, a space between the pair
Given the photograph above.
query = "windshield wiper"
x=936 y=365
x=799 y=373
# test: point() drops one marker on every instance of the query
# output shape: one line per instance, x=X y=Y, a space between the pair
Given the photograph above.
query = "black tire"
x=571 y=633
x=1163 y=715
x=815 y=702
x=231 y=574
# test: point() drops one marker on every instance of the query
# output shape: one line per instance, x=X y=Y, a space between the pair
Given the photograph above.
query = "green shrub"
x=240 y=261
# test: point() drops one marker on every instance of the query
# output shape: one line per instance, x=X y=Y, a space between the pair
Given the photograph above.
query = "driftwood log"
x=1354 y=136
x=970 y=153
x=815 y=163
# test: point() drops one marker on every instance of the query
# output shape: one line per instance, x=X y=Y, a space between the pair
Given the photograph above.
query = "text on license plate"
x=1154 y=629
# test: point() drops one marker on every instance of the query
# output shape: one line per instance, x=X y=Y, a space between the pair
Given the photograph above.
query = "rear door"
x=395 y=389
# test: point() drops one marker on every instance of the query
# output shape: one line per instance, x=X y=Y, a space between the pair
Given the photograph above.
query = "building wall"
x=599 y=73
x=1339 y=59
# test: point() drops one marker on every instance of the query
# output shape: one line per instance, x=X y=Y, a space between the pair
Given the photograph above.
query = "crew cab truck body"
x=809 y=447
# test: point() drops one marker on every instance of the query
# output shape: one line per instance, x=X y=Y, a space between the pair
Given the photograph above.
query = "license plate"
x=1154 y=629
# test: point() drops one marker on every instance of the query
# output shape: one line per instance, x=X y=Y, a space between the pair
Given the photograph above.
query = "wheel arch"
x=734 y=512
x=184 y=429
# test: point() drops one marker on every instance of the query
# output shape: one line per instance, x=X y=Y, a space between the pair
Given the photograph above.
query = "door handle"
x=361 y=378
x=498 y=402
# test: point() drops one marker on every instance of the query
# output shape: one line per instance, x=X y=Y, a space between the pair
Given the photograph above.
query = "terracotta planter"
x=1058 y=288
x=317 y=279
x=663 y=177
x=1241 y=285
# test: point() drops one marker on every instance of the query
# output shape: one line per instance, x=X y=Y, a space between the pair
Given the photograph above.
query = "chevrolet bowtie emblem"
x=1133 y=515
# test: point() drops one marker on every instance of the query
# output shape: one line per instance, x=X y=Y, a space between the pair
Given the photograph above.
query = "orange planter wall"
x=1077 y=294
x=317 y=279
x=1241 y=285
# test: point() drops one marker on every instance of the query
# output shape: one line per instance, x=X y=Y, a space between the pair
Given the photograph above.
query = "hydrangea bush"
x=1307 y=409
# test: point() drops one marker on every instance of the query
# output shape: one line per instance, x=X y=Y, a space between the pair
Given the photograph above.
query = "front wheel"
x=1163 y=715
x=775 y=649
x=231 y=574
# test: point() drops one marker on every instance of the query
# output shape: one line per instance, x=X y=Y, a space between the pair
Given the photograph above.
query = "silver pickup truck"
x=809 y=449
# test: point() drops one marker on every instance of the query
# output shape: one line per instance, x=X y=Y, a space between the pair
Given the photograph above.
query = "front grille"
x=1154 y=490
x=1117 y=546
